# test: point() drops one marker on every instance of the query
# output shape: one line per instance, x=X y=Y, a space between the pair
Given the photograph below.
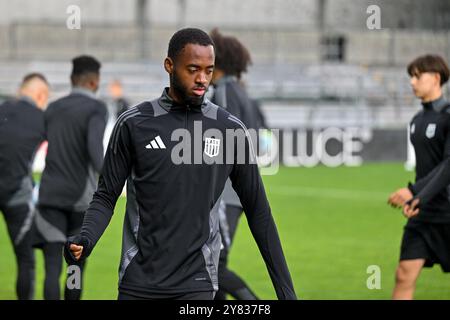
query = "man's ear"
x=94 y=84
x=438 y=78
x=168 y=65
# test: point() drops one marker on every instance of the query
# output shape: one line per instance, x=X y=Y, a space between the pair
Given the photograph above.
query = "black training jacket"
x=75 y=125
x=21 y=132
x=430 y=136
x=171 y=240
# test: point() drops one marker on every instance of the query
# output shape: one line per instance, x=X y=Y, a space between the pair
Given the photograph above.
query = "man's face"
x=423 y=84
x=115 y=89
x=42 y=98
x=191 y=73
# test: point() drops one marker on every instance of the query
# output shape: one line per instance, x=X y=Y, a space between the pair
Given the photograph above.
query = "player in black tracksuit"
x=426 y=203
x=232 y=59
x=21 y=132
x=75 y=125
x=171 y=238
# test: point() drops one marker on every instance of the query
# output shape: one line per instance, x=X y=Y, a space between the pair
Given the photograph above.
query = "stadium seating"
x=313 y=95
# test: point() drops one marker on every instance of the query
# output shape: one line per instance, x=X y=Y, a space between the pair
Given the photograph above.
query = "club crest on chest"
x=431 y=130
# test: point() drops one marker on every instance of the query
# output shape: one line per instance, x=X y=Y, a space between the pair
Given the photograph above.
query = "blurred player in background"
x=21 y=132
x=426 y=203
x=75 y=126
x=171 y=239
x=120 y=104
x=232 y=60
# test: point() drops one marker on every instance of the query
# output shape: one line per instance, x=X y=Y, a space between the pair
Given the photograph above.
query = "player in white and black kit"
x=171 y=239
x=75 y=125
x=426 y=203
x=21 y=132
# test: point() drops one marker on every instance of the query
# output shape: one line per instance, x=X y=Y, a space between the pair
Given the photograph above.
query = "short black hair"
x=232 y=57
x=34 y=75
x=83 y=66
x=429 y=63
x=186 y=36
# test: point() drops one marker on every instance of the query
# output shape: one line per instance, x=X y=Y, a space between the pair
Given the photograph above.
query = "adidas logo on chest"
x=156 y=143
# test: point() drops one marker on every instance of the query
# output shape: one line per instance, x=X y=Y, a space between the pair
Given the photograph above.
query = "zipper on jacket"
x=186 y=125
x=186 y=118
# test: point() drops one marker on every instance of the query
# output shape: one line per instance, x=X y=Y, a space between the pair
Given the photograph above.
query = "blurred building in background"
x=317 y=63
x=277 y=31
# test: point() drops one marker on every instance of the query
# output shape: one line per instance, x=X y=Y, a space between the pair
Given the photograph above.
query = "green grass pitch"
x=333 y=222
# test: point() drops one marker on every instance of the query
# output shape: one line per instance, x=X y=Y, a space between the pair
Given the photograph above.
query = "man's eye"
x=192 y=70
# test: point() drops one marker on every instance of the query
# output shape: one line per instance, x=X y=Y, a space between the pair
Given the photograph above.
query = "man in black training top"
x=171 y=239
x=426 y=203
x=75 y=125
x=21 y=132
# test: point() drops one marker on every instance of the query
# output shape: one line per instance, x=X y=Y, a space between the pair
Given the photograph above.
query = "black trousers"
x=52 y=227
x=18 y=219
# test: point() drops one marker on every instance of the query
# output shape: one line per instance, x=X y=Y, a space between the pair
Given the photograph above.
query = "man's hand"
x=411 y=209
x=76 y=251
x=399 y=198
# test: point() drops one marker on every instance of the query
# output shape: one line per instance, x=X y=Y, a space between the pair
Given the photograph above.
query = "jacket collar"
x=28 y=100
x=167 y=103
x=436 y=105
x=84 y=92
x=225 y=79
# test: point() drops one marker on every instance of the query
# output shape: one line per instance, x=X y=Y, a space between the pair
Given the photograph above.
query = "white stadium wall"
x=276 y=31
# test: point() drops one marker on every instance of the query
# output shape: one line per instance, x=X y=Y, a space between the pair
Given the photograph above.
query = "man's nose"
x=201 y=78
